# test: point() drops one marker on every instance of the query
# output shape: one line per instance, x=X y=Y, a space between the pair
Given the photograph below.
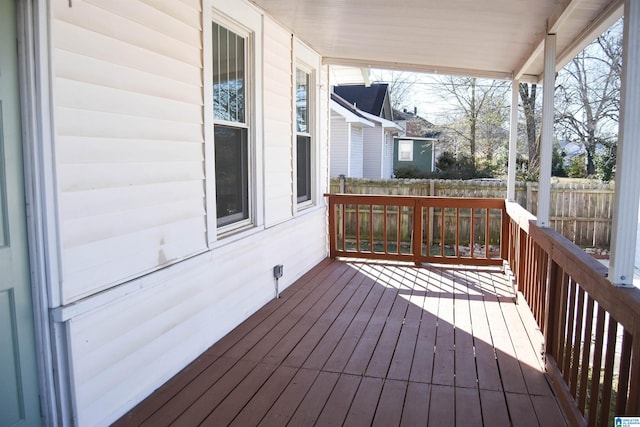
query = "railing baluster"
x=371 y=228
x=384 y=222
x=586 y=352
x=486 y=233
x=399 y=229
x=633 y=405
x=623 y=374
x=569 y=335
x=608 y=371
x=442 y=220
x=595 y=372
x=472 y=233
x=562 y=318
x=416 y=242
x=577 y=340
x=457 y=242
x=357 y=227
x=428 y=219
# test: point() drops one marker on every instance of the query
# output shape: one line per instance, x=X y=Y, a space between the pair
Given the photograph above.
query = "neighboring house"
x=413 y=124
x=417 y=146
x=373 y=103
x=347 y=138
x=414 y=152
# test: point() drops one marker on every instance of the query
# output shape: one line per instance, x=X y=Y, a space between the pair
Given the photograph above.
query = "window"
x=230 y=126
x=405 y=150
x=303 y=136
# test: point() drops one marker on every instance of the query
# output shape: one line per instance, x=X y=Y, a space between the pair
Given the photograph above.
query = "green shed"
x=410 y=151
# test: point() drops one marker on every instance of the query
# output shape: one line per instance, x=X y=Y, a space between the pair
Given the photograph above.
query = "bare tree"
x=477 y=105
x=401 y=86
x=528 y=97
x=588 y=95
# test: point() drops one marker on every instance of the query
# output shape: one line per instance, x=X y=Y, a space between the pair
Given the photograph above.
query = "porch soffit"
x=484 y=38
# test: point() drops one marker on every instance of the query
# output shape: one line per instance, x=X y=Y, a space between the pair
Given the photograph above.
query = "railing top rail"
x=395 y=200
x=520 y=215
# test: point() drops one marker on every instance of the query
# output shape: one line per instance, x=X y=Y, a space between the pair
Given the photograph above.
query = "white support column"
x=513 y=142
x=546 y=134
x=627 y=194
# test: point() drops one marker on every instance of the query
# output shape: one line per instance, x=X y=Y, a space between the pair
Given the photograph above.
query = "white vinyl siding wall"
x=129 y=139
x=387 y=165
x=339 y=145
x=357 y=152
x=277 y=126
x=143 y=293
x=373 y=147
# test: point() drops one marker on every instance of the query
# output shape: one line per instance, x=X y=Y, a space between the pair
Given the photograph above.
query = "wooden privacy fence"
x=582 y=212
x=591 y=328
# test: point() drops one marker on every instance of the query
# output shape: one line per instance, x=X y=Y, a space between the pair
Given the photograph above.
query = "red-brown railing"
x=418 y=229
x=591 y=327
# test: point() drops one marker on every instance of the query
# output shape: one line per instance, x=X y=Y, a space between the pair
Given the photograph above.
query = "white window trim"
x=408 y=142
x=307 y=60
x=245 y=20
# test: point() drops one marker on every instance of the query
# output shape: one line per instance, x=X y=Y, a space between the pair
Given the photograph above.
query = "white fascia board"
x=349 y=116
x=387 y=124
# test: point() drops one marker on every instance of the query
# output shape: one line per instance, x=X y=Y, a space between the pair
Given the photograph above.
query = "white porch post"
x=627 y=194
x=546 y=140
x=513 y=143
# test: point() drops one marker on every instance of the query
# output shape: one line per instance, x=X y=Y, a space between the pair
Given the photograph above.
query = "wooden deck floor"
x=370 y=344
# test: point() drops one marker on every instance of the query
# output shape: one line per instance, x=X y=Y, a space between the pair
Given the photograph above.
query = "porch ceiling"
x=484 y=38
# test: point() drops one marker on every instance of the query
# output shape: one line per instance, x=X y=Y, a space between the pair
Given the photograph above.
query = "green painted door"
x=19 y=405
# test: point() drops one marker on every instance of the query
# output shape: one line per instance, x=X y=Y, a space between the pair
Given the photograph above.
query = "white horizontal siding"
x=357 y=152
x=372 y=145
x=278 y=128
x=387 y=162
x=124 y=350
x=339 y=146
x=128 y=109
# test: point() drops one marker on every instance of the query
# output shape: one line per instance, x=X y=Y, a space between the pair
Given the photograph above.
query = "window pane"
x=302 y=101
x=228 y=75
x=303 y=148
x=232 y=191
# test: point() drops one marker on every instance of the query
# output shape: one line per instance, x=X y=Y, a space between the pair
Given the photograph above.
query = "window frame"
x=251 y=124
x=309 y=134
x=409 y=143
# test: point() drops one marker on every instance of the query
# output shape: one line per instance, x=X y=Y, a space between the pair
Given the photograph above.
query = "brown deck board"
x=282 y=410
x=442 y=406
x=370 y=343
x=389 y=410
x=468 y=412
x=338 y=404
x=365 y=402
x=416 y=405
x=494 y=408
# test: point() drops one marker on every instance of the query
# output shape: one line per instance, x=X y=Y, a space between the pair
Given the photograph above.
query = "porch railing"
x=418 y=229
x=591 y=327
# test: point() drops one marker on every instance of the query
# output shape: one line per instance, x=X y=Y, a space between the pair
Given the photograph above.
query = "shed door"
x=18 y=375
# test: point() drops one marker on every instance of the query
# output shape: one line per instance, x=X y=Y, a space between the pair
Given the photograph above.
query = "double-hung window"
x=231 y=127
x=304 y=141
x=405 y=150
